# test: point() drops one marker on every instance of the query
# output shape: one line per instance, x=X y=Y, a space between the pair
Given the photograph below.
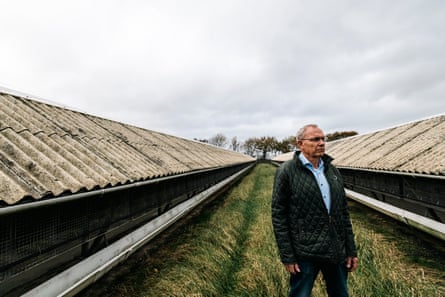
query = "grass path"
x=222 y=258
x=229 y=250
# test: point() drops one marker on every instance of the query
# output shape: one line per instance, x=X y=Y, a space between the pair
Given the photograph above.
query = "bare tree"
x=219 y=140
x=235 y=145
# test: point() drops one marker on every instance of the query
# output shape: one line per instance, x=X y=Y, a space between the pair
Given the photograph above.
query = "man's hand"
x=351 y=263
x=292 y=268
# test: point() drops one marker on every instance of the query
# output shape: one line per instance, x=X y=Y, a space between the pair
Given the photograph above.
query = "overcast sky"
x=242 y=68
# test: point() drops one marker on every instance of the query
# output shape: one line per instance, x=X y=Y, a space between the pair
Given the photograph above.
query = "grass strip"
x=393 y=262
x=211 y=260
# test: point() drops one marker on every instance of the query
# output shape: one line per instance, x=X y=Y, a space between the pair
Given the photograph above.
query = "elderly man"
x=311 y=218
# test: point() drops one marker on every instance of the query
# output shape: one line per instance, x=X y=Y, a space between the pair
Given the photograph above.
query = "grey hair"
x=302 y=130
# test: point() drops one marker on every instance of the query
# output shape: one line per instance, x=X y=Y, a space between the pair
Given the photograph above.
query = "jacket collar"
x=326 y=158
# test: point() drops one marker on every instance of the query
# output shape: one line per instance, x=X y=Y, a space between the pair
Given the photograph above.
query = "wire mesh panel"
x=30 y=237
x=423 y=195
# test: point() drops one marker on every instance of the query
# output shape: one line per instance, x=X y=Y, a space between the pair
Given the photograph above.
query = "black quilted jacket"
x=304 y=230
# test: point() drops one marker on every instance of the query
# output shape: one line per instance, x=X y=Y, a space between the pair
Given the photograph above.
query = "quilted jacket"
x=303 y=228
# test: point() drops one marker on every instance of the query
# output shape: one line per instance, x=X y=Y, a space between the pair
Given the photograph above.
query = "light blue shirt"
x=321 y=180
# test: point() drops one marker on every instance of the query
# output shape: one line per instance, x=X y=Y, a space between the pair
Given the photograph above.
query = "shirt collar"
x=306 y=162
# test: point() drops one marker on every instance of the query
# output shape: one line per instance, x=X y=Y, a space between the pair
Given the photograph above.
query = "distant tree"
x=219 y=140
x=255 y=146
x=235 y=145
x=286 y=145
x=250 y=146
x=292 y=140
x=339 y=135
x=266 y=144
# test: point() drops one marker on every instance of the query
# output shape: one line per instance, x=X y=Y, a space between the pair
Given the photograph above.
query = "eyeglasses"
x=316 y=139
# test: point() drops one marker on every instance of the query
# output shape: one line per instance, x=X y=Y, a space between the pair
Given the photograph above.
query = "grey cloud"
x=242 y=68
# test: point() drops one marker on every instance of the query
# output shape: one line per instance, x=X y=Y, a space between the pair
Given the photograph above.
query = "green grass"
x=231 y=253
x=229 y=250
x=393 y=263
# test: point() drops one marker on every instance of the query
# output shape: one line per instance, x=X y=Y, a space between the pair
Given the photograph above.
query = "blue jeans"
x=335 y=276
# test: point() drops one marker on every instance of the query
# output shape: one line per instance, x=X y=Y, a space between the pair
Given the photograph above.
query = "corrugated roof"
x=416 y=147
x=47 y=151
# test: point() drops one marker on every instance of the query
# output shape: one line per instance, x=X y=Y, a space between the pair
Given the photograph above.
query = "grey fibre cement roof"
x=416 y=147
x=47 y=151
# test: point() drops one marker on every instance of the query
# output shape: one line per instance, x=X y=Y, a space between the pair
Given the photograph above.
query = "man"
x=311 y=219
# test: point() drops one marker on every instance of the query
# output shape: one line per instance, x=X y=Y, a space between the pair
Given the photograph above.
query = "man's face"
x=313 y=144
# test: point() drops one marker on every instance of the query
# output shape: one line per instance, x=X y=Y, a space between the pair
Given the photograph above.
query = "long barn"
x=72 y=184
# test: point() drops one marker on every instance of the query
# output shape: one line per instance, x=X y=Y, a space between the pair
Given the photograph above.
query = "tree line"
x=260 y=146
